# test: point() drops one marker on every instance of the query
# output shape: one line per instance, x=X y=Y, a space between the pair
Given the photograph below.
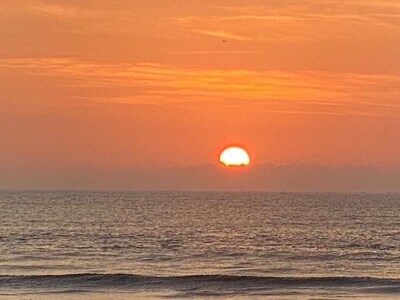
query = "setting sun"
x=234 y=156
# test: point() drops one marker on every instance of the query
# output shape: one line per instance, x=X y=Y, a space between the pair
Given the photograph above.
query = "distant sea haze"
x=199 y=245
x=262 y=177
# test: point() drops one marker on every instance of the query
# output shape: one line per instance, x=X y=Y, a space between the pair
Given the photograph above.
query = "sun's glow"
x=234 y=156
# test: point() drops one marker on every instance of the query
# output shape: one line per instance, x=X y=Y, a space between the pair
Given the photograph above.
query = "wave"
x=216 y=284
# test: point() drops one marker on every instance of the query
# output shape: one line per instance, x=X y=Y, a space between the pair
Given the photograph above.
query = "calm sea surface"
x=183 y=245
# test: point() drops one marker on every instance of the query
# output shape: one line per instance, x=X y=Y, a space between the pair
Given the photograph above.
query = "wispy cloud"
x=55 y=10
x=272 y=91
x=222 y=35
x=289 y=20
x=222 y=52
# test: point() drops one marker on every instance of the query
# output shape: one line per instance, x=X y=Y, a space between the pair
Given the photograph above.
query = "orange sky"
x=131 y=84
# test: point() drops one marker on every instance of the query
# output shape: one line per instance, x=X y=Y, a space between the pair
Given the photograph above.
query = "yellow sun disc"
x=234 y=156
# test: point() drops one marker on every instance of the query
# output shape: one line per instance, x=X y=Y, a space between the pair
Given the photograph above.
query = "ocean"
x=198 y=245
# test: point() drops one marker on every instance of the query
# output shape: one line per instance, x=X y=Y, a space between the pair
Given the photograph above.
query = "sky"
x=161 y=87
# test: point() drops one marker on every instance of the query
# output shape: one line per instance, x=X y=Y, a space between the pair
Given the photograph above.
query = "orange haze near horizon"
x=119 y=84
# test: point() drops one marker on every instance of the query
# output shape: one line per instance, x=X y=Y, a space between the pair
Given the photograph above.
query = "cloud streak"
x=280 y=92
x=288 y=20
x=222 y=35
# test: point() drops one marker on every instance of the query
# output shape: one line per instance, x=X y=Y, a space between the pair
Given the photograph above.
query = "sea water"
x=198 y=245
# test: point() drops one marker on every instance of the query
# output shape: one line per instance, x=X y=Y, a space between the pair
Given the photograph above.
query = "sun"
x=234 y=156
